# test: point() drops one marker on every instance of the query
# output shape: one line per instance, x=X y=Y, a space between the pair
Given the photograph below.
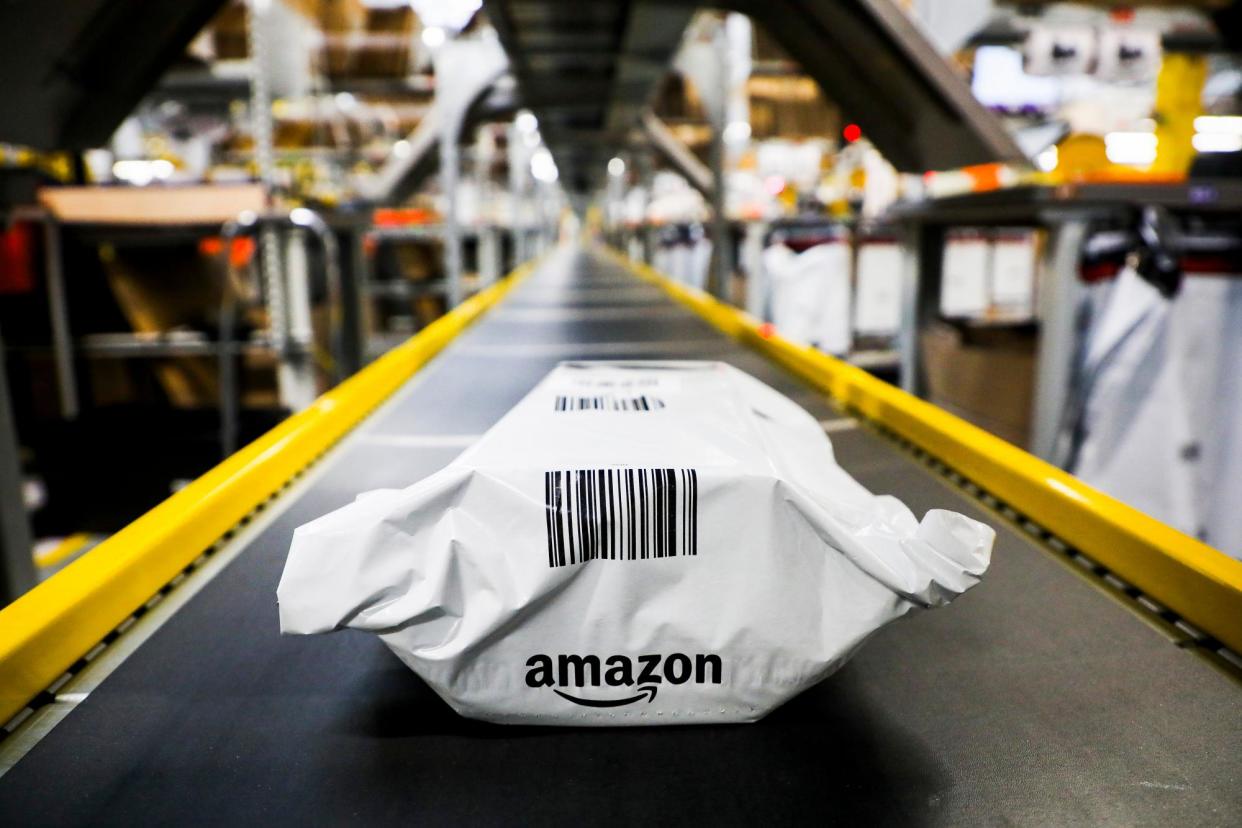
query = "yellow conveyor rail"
x=43 y=633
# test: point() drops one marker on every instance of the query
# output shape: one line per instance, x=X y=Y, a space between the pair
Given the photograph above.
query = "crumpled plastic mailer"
x=635 y=543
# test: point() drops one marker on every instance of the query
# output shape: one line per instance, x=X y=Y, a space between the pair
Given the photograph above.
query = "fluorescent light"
x=737 y=132
x=526 y=122
x=1217 y=142
x=1047 y=160
x=447 y=14
x=303 y=217
x=434 y=37
x=1219 y=124
x=1134 y=148
x=542 y=167
x=142 y=173
x=616 y=166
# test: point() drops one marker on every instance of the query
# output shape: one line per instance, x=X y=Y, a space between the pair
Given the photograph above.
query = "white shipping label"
x=877 y=303
x=701 y=562
x=1013 y=271
x=964 y=276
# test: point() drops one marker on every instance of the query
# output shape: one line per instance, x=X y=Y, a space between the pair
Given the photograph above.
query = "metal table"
x=1035 y=699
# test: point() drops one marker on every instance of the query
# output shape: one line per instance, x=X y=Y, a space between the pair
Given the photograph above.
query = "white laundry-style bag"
x=634 y=543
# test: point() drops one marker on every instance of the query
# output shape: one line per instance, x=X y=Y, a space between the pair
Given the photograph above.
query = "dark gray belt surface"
x=1034 y=699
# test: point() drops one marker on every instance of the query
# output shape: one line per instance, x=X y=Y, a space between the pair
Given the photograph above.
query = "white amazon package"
x=635 y=543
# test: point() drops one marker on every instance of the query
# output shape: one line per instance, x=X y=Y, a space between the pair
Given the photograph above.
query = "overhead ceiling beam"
x=404 y=172
x=870 y=59
x=867 y=55
x=677 y=155
x=653 y=33
x=587 y=69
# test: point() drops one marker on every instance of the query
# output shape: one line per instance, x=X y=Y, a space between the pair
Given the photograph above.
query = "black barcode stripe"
x=569 y=515
x=592 y=516
x=584 y=509
x=672 y=513
x=606 y=510
x=629 y=496
x=620 y=514
x=584 y=523
x=611 y=536
x=664 y=514
x=558 y=487
x=548 y=515
x=657 y=514
x=670 y=547
x=685 y=511
x=694 y=512
x=602 y=520
x=608 y=402
x=662 y=507
x=642 y=511
x=685 y=476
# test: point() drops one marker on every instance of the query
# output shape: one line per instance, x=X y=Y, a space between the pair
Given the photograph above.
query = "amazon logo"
x=627 y=680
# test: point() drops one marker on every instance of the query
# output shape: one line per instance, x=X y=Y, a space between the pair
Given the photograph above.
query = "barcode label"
x=620 y=514
x=608 y=402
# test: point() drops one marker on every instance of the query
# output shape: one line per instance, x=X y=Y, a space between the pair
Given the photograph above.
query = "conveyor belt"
x=1033 y=699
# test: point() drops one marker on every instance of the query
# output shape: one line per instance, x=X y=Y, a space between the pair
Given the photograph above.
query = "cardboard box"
x=984 y=375
x=207 y=204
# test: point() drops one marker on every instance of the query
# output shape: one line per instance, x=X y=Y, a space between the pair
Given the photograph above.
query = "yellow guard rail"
x=49 y=628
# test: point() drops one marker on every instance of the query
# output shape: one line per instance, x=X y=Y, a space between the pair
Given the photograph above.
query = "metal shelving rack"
x=1066 y=213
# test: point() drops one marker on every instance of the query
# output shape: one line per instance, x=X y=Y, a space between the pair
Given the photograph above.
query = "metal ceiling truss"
x=588 y=70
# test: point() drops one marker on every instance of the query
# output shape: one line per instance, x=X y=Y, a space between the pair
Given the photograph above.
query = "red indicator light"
x=852 y=132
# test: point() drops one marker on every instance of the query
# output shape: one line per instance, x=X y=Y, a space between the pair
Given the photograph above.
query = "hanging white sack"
x=877 y=309
x=830 y=265
x=700 y=263
x=1161 y=425
x=811 y=294
x=633 y=544
x=791 y=309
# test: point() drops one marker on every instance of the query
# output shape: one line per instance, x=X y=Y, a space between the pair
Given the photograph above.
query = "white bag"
x=811 y=294
x=634 y=543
